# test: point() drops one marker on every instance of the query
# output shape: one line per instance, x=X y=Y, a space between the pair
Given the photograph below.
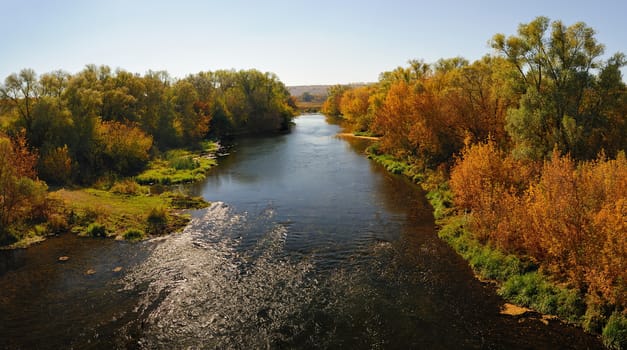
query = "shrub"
x=183 y=163
x=125 y=147
x=183 y=201
x=615 y=332
x=128 y=187
x=96 y=229
x=56 y=166
x=57 y=223
x=157 y=220
x=134 y=234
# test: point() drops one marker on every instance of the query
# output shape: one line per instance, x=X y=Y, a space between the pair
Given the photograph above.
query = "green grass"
x=364 y=134
x=177 y=167
x=120 y=212
x=96 y=229
x=536 y=291
x=134 y=234
x=124 y=209
x=180 y=200
x=391 y=164
x=615 y=332
x=487 y=263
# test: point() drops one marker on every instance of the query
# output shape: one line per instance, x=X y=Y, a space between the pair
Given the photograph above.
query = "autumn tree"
x=355 y=107
x=331 y=106
x=481 y=94
x=20 y=190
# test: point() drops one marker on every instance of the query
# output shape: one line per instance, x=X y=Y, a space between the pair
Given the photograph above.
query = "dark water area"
x=307 y=244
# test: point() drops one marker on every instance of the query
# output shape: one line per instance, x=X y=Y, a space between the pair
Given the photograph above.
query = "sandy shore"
x=346 y=134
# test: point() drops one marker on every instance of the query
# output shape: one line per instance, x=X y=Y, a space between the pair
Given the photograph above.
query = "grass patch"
x=520 y=282
x=134 y=234
x=615 y=332
x=117 y=212
x=96 y=229
x=157 y=220
x=487 y=263
x=180 y=200
x=391 y=164
x=129 y=187
x=177 y=167
x=440 y=196
x=535 y=291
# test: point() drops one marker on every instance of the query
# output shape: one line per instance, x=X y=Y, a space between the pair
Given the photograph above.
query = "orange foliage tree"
x=354 y=105
x=21 y=193
x=570 y=219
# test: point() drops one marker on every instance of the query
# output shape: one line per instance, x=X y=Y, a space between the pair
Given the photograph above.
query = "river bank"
x=518 y=280
x=149 y=204
x=352 y=135
x=307 y=244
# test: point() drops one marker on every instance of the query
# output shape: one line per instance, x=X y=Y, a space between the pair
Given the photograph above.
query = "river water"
x=307 y=244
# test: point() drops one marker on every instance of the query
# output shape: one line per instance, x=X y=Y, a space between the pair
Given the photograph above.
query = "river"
x=307 y=244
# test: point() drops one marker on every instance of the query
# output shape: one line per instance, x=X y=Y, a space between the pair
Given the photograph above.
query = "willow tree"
x=557 y=66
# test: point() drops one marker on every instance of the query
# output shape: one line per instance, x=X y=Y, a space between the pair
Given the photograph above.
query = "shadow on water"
x=312 y=246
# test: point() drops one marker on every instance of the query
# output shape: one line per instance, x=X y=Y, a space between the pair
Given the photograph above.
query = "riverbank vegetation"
x=103 y=134
x=522 y=156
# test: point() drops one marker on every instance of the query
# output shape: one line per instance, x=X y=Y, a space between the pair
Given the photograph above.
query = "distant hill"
x=316 y=90
x=309 y=98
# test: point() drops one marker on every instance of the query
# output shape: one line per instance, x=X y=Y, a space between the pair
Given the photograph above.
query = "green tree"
x=556 y=68
x=84 y=100
x=192 y=118
x=120 y=96
x=54 y=84
x=23 y=91
x=52 y=124
x=331 y=106
x=125 y=148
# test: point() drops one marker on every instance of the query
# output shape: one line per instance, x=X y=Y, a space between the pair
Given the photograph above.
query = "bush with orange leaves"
x=570 y=219
x=488 y=183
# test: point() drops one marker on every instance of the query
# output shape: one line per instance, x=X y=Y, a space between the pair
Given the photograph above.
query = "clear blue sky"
x=303 y=42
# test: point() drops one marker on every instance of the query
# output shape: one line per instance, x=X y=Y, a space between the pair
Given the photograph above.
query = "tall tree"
x=192 y=119
x=556 y=67
x=20 y=190
x=331 y=106
x=22 y=90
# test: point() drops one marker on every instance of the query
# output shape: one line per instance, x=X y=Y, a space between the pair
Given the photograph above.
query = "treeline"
x=100 y=121
x=532 y=139
x=103 y=125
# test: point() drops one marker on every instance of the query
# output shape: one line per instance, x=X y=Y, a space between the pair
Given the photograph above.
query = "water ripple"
x=202 y=291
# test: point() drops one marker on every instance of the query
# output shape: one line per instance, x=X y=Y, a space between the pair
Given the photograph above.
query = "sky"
x=303 y=42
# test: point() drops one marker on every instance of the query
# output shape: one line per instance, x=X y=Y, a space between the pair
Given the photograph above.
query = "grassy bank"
x=179 y=167
x=518 y=280
x=126 y=209
x=123 y=215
